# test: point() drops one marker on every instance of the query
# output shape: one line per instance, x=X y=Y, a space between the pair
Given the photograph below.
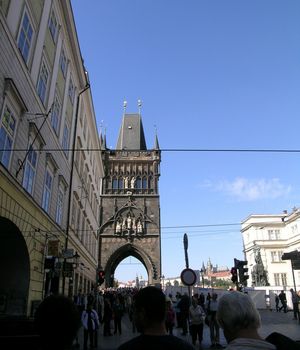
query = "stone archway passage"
x=14 y=269
x=121 y=254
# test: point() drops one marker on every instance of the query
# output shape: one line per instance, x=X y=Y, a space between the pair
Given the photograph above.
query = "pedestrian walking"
x=283 y=301
x=170 y=318
x=107 y=316
x=184 y=306
x=277 y=303
x=90 y=322
x=295 y=301
x=197 y=316
x=118 y=312
x=212 y=306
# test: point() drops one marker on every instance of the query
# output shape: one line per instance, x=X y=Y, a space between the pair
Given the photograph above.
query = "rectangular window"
x=25 y=37
x=71 y=90
x=53 y=25
x=7 y=134
x=47 y=191
x=77 y=229
x=59 y=206
x=30 y=170
x=43 y=82
x=55 y=115
x=83 y=231
x=274 y=234
x=283 y=279
x=280 y=279
x=276 y=256
x=277 y=279
x=74 y=209
x=63 y=62
x=65 y=141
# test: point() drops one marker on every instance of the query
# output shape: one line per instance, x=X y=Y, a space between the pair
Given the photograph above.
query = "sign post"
x=188 y=276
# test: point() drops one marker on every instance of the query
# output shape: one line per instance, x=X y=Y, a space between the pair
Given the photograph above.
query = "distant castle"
x=210 y=269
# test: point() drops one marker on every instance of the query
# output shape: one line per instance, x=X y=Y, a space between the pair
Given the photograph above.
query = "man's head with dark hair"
x=150 y=308
x=57 y=321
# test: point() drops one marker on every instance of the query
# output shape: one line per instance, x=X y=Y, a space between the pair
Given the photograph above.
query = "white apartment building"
x=42 y=82
x=272 y=235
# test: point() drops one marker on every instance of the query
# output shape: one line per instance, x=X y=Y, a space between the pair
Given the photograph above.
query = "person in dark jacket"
x=150 y=317
x=184 y=307
x=57 y=321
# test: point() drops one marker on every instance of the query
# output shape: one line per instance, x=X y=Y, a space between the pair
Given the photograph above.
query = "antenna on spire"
x=139 y=105
x=124 y=106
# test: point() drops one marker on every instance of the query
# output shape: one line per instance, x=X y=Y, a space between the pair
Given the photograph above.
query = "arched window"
x=150 y=182
x=144 y=183
x=138 y=183
x=121 y=183
x=114 y=183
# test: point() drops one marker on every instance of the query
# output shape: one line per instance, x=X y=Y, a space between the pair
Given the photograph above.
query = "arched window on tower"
x=145 y=182
x=120 y=183
x=138 y=183
x=150 y=187
x=114 y=183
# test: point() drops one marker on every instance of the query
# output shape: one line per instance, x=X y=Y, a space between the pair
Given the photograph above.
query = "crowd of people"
x=155 y=315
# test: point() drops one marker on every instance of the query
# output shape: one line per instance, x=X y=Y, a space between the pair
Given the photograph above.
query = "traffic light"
x=101 y=276
x=234 y=276
x=243 y=269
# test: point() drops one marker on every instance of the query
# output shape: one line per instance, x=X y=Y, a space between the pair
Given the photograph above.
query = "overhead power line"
x=203 y=150
x=204 y=225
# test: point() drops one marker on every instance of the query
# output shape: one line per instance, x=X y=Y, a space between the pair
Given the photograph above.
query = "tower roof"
x=156 y=143
x=131 y=135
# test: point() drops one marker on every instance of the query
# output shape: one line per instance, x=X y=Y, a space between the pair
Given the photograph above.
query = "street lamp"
x=202 y=276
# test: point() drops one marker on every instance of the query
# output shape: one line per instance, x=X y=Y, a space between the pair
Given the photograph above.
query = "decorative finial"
x=139 y=105
x=124 y=106
x=101 y=125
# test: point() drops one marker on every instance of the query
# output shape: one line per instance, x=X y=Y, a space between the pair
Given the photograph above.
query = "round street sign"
x=188 y=277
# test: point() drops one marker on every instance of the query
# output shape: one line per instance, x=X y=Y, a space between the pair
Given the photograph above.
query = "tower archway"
x=122 y=253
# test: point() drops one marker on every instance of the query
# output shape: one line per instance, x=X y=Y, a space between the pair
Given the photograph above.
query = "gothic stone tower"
x=130 y=210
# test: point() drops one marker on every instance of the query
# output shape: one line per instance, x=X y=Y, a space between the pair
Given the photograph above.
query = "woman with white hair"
x=240 y=320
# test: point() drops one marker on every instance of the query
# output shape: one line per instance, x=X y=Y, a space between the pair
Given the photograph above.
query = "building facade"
x=49 y=193
x=266 y=238
x=130 y=207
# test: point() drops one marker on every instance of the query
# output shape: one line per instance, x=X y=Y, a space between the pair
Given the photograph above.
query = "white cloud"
x=249 y=190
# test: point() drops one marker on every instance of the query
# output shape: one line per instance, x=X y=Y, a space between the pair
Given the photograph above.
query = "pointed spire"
x=131 y=135
x=103 y=142
x=156 y=143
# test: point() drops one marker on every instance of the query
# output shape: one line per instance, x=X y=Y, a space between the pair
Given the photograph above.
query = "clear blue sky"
x=211 y=74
